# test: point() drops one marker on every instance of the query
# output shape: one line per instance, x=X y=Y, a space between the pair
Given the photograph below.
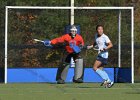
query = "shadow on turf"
x=86 y=87
x=132 y=92
x=69 y=85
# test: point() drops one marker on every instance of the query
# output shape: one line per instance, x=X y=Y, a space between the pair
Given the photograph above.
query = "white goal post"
x=72 y=8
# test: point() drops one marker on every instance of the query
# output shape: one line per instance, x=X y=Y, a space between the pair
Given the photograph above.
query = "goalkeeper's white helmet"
x=73 y=28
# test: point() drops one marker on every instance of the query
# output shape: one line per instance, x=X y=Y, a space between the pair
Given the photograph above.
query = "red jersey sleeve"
x=58 y=40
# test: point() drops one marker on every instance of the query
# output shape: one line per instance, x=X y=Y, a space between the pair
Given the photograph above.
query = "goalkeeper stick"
x=49 y=46
x=37 y=40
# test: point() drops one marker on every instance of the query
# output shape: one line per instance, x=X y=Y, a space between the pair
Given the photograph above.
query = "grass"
x=69 y=91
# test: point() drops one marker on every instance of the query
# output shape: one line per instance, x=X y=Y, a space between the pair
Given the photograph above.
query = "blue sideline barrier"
x=19 y=75
x=49 y=74
x=1 y=75
x=122 y=75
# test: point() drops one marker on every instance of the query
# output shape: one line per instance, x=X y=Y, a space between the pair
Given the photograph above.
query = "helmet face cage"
x=73 y=29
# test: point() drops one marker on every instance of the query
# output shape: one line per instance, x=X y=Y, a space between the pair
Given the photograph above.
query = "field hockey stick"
x=93 y=47
x=97 y=49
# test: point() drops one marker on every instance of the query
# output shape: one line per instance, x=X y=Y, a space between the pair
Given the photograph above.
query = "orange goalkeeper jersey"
x=77 y=40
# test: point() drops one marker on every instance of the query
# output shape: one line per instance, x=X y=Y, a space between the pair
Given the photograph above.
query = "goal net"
x=23 y=24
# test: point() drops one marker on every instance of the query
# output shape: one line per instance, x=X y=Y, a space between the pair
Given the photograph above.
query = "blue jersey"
x=102 y=42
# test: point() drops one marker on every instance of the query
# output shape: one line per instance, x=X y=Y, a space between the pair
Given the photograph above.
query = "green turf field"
x=69 y=91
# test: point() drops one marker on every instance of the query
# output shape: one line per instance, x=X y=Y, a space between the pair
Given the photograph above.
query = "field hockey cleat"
x=78 y=80
x=104 y=83
x=60 y=81
x=109 y=85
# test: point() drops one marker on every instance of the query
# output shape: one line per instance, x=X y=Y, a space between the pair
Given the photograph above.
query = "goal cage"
x=71 y=15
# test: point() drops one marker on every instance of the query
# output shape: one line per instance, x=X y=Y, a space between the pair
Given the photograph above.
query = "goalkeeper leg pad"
x=78 y=71
x=62 y=73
